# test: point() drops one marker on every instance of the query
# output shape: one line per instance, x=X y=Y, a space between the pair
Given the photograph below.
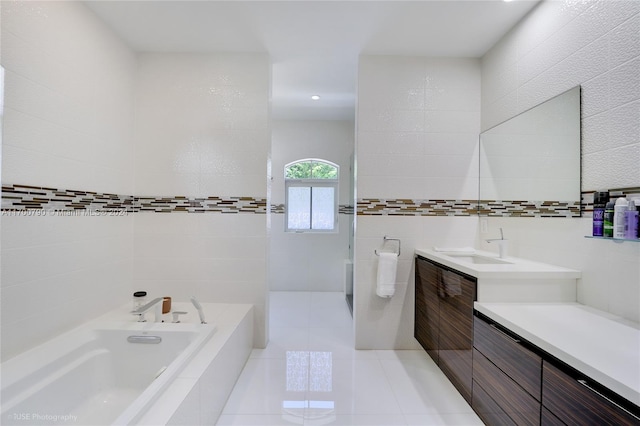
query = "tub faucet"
x=502 y=244
x=198 y=306
x=156 y=304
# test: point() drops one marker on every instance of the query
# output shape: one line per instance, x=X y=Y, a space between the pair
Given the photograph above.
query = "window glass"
x=311 y=188
x=298 y=214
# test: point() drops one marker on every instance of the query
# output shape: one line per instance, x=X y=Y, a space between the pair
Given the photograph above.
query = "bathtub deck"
x=200 y=392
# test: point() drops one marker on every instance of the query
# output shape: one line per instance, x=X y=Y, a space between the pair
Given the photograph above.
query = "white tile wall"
x=417 y=137
x=68 y=100
x=67 y=124
x=58 y=272
x=309 y=262
x=558 y=45
x=418 y=121
x=202 y=129
x=210 y=115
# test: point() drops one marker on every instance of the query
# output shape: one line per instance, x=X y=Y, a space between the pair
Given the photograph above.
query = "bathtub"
x=104 y=373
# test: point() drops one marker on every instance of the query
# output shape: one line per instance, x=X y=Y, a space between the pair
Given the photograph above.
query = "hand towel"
x=386 y=280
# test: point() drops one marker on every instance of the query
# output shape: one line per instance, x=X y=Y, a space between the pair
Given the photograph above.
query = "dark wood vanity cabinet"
x=514 y=382
x=444 y=320
x=508 y=373
x=570 y=398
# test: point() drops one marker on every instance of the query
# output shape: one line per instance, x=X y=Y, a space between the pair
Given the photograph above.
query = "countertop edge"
x=525 y=268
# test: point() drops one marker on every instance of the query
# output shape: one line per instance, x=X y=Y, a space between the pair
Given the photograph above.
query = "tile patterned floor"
x=309 y=374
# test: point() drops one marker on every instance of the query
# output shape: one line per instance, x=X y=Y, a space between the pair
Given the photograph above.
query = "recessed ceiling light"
x=315 y=97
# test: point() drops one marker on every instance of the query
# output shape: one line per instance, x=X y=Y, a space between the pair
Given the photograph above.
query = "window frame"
x=311 y=183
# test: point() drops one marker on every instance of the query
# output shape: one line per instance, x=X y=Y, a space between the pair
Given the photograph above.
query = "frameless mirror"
x=530 y=164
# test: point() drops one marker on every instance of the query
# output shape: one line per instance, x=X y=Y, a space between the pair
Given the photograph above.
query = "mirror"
x=530 y=164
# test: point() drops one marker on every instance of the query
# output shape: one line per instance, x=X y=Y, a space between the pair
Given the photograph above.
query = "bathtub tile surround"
x=83 y=111
x=67 y=123
x=202 y=128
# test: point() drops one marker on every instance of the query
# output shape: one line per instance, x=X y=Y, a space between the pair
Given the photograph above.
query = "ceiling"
x=314 y=45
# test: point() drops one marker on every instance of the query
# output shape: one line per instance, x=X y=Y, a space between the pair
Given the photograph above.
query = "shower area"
x=309 y=260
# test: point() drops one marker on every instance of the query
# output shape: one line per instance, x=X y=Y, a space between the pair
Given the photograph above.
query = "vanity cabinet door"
x=455 y=345
x=427 y=311
x=574 y=401
x=444 y=320
x=507 y=352
x=514 y=401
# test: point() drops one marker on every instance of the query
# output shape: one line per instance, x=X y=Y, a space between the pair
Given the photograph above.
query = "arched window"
x=311 y=196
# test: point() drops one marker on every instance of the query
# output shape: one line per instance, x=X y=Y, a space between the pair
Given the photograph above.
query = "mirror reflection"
x=530 y=164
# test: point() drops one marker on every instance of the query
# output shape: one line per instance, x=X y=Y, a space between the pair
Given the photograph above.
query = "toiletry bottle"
x=600 y=199
x=619 y=216
x=631 y=221
x=608 y=218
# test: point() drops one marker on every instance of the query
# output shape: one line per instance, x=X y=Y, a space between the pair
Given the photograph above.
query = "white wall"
x=202 y=129
x=418 y=122
x=307 y=261
x=67 y=124
x=561 y=44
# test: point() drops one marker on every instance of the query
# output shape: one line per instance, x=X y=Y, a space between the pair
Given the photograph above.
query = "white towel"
x=386 y=281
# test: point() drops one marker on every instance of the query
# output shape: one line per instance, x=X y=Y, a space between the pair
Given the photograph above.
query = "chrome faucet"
x=155 y=303
x=502 y=244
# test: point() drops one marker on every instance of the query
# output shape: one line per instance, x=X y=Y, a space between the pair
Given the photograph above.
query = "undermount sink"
x=477 y=259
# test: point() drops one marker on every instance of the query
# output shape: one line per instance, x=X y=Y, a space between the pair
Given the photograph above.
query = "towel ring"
x=385 y=239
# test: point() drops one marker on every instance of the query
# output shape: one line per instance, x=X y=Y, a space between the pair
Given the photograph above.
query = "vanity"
x=511 y=338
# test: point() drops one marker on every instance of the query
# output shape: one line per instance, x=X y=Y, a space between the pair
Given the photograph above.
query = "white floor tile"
x=443 y=420
x=359 y=387
x=421 y=388
x=265 y=385
x=283 y=339
x=310 y=374
x=256 y=420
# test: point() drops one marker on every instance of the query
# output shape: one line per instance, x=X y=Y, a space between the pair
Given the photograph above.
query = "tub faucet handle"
x=176 y=315
x=140 y=315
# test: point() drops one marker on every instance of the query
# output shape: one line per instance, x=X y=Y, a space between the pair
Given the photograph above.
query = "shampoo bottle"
x=600 y=200
x=608 y=218
x=619 y=216
x=631 y=221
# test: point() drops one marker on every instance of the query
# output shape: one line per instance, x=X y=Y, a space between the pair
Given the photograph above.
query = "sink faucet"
x=155 y=303
x=502 y=244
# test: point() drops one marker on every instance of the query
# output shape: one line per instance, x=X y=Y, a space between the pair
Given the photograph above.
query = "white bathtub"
x=95 y=375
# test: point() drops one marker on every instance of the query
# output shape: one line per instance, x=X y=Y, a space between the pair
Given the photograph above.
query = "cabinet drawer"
x=518 y=362
x=488 y=410
x=521 y=407
x=576 y=403
x=548 y=419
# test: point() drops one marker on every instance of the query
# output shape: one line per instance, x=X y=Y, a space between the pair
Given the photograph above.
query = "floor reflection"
x=309 y=371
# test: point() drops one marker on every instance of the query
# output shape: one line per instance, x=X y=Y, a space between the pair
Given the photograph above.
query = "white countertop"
x=602 y=346
x=516 y=269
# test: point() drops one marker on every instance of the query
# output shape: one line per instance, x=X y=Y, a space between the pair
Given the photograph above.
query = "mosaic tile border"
x=529 y=208
x=24 y=198
x=21 y=198
x=408 y=207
